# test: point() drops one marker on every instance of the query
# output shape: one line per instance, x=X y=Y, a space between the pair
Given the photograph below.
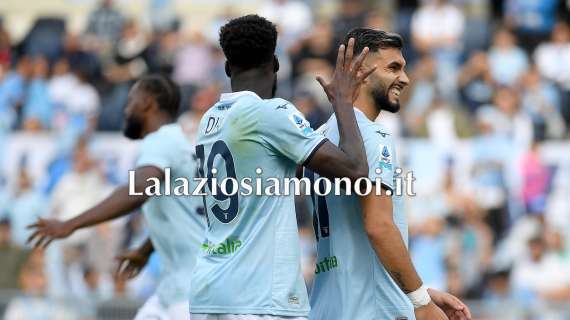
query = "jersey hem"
x=254 y=311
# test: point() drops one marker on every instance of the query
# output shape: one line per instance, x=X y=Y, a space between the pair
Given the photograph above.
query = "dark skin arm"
x=349 y=159
x=132 y=262
x=118 y=204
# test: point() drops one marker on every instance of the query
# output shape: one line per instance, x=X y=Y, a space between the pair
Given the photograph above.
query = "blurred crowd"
x=484 y=126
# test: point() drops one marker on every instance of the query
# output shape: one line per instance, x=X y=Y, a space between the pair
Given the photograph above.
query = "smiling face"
x=386 y=84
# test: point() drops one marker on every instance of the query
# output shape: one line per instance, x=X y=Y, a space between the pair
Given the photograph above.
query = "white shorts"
x=152 y=309
x=242 y=317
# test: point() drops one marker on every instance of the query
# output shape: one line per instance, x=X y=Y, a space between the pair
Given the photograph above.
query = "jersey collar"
x=238 y=94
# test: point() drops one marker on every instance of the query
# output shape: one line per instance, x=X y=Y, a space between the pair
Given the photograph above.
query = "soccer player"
x=176 y=229
x=363 y=268
x=250 y=267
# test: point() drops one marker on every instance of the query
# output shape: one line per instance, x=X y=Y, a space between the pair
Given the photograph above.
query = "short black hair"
x=374 y=39
x=164 y=90
x=249 y=41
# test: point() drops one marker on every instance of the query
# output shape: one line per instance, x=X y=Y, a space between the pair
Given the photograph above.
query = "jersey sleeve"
x=286 y=131
x=154 y=151
x=380 y=153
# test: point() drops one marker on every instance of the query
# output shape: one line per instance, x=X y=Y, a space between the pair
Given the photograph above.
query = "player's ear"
x=275 y=63
x=149 y=103
x=228 y=69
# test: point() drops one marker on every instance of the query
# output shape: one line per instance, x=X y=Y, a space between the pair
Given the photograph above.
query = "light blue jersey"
x=250 y=262
x=350 y=281
x=175 y=226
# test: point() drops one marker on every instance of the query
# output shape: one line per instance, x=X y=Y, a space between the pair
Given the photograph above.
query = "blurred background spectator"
x=484 y=126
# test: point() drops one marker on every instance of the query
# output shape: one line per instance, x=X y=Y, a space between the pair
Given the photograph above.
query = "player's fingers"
x=322 y=82
x=38 y=243
x=325 y=86
x=466 y=311
x=34 y=225
x=340 y=58
x=135 y=272
x=366 y=73
x=349 y=53
x=120 y=265
x=47 y=242
x=32 y=237
x=458 y=315
x=357 y=63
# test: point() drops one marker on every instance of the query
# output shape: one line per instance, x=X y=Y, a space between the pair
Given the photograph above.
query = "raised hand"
x=131 y=264
x=47 y=230
x=348 y=76
x=452 y=306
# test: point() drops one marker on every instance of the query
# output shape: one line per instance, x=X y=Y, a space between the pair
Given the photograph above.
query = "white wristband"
x=420 y=297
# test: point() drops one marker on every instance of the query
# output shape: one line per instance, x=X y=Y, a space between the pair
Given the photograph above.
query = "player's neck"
x=254 y=81
x=365 y=103
x=154 y=123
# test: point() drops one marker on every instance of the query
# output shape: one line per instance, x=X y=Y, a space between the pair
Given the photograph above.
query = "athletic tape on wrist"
x=419 y=297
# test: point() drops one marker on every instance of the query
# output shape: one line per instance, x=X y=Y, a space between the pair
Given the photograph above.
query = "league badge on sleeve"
x=301 y=123
x=385 y=161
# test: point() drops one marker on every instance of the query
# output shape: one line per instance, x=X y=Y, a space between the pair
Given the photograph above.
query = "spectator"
x=553 y=61
x=130 y=61
x=200 y=102
x=476 y=83
x=280 y=13
x=32 y=304
x=529 y=275
x=531 y=20
x=437 y=25
x=12 y=92
x=87 y=185
x=316 y=48
x=536 y=178
x=307 y=104
x=38 y=109
x=130 y=58
x=75 y=53
x=13 y=257
x=507 y=61
x=437 y=29
x=491 y=151
x=351 y=14
x=26 y=205
x=477 y=24
x=161 y=14
x=511 y=120
x=5 y=47
x=193 y=63
x=422 y=93
x=104 y=26
x=541 y=101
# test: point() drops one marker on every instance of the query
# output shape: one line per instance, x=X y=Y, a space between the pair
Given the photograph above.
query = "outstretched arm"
x=118 y=204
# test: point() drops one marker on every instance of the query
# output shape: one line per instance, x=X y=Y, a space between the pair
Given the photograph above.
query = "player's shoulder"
x=376 y=136
x=274 y=106
x=171 y=133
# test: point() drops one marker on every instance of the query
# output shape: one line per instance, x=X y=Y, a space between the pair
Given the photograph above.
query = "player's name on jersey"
x=271 y=186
